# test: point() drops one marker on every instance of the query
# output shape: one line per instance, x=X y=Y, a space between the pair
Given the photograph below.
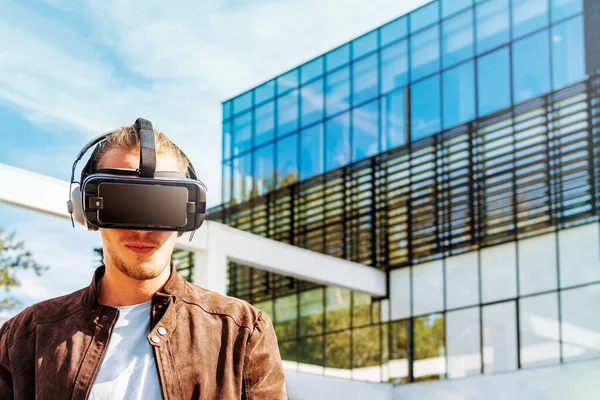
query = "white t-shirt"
x=128 y=370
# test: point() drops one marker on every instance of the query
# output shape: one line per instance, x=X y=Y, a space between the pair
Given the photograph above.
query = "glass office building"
x=456 y=149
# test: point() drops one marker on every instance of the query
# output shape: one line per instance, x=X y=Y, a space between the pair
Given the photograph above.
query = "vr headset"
x=139 y=199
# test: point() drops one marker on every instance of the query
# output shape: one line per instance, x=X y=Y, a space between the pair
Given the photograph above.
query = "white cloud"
x=174 y=65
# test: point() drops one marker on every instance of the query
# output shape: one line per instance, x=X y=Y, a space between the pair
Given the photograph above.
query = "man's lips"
x=140 y=248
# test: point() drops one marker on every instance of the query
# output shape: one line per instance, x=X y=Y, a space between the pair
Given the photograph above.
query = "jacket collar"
x=174 y=287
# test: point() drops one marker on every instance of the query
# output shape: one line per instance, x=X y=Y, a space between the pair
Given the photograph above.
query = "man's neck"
x=117 y=289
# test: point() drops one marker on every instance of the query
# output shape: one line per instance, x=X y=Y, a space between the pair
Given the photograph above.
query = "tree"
x=13 y=257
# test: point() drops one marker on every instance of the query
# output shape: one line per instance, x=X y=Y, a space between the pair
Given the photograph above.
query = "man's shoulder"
x=43 y=312
x=242 y=313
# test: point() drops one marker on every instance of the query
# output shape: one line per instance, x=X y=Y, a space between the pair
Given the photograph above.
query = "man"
x=140 y=331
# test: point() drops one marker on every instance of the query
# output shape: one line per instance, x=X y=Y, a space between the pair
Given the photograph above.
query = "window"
x=463 y=342
x=365 y=130
x=366 y=365
x=400 y=293
x=428 y=287
x=242 y=102
x=425 y=53
x=287 y=160
x=338 y=57
x=286 y=316
x=531 y=67
x=580 y=330
x=499 y=337
x=311 y=312
x=492 y=25
x=450 y=7
x=498 y=272
x=424 y=16
x=226 y=193
x=287 y=113
x=393 y=31
x=226 y=140
x=429 y=348
x=462 y=280
x=398 y=358
x=560 y=9
x=311 y=70
x=568 y=53
x=337 y=354
x=242 y=178
x=459 y=95
x=287 y=81
x=537 y=264
x=363 y=309
x=310 y=355
x=394 y=66
x=312 y=102
x=337 y=91
x=337 y=132
x=264 y=169
x=242 y=133
x=539 y=330
x=425 y=108
x=458 y=38
x=264 y=124
x=338 y=308
x=393 y=132
x=493 y=82
x=311 y=151
x=226 y=110
x=528 y=16
x=365 y=79
x=264 y=92
x=579 y=255
x=364 y=45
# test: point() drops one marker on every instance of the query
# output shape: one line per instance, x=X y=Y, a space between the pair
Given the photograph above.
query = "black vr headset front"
x=139 y=199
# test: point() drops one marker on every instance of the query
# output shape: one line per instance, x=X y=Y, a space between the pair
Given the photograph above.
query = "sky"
x=70 y=71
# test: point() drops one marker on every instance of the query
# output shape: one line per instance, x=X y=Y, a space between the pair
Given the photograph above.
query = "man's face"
x=139 y=255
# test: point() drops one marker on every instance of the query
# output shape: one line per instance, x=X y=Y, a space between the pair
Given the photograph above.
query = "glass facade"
x=457 y=60
x=454 y=149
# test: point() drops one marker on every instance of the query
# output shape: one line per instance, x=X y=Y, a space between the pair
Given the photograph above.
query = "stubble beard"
x=135 y=270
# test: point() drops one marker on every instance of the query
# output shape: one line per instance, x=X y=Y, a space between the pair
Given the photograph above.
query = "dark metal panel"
x=591 y=12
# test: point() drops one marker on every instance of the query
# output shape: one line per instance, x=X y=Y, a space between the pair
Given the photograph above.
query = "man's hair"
x=128 y=138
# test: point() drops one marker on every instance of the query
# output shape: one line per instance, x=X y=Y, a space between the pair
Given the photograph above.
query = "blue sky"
x=72 y=70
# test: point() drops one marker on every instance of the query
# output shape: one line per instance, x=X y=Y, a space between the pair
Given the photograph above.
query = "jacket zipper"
x=87 y=393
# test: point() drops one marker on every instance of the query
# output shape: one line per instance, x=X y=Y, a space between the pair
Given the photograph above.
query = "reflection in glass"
x=226 y=110
x=424 y=16
x=242 y=133
x=393 y=31
x=337 y=132
x=310 y=355
x=286 y=317
x=539 y=330
x=458 y=38
x=311 y=70
x=337 y=351
x=287 y=81
x=361 y=309
x=227 y=140
x=429 y=348
x=568 y=53
x=242 y=178
x=338 y=308
x=264 y=124
x=264 y=169
x=264 y=92
x=528 y=16
x=311 y=151
x=226 y=187
x=499 y=337
x=531 y=67
x=393 y=133
x=312 y=102
x=365 y=79
x=337 y=86
x=242 y=102
x=492 y=25
x=365 y=130
x=311 y=312
x=394 y=66
x=560 y=9
x=287 y=160
x=398 y=355
x=459 y=95
x=287 y=113
x=288 y=351
x=463 y=342
x=580 y=330
x=366 y=363
x=425 y=53
x=266 y=307
x=364 y=45
x=493 y=82
x=425 y=108
x=337 y=57
x=449 y=7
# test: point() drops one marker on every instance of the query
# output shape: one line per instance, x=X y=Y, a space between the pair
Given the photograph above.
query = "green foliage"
x=13 y=257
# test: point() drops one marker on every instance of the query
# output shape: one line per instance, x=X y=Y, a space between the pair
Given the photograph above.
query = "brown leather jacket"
x=214 y=347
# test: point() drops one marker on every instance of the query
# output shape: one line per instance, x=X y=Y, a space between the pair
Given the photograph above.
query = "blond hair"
x=128 y=138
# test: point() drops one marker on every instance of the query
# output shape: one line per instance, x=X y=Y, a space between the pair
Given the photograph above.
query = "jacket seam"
x=38 y=324
x=247 y=360
x=217 y=313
